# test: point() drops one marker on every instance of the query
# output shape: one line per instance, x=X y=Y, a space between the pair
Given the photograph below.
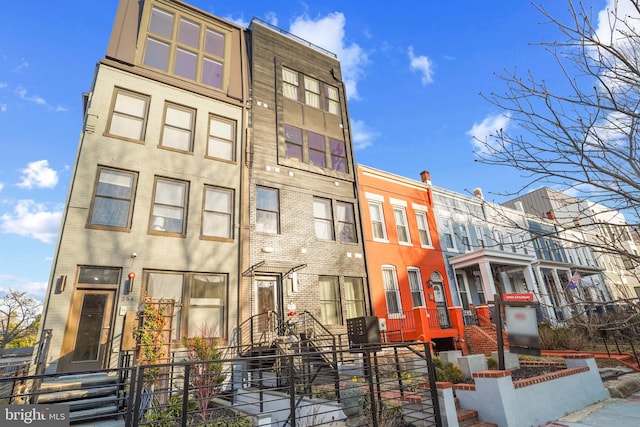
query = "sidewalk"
x=615 y=412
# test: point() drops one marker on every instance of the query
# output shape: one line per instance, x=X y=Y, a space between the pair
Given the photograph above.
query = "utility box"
x=364 y=333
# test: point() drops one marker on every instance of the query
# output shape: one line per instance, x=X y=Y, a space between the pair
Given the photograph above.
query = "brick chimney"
x=478 y=193
x=425 y=176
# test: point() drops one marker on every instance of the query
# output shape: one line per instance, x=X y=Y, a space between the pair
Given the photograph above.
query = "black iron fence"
x=295 y=384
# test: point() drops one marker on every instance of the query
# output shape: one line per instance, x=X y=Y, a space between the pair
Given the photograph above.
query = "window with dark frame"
x=217 y=215
x=338 y=155
x=222 y=138
x=267 y=210
x=346 y=223
x=329 y=300
x=177 y=131
x=293 y=142
x=317 y=151
x=128 y=115
x=323 y=218
x=200 y=299
x=169 y=210
x=112 y=204
x=354 y=302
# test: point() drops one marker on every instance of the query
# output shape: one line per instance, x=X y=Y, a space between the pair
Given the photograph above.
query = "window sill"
x=380 y=240
x=405 y=243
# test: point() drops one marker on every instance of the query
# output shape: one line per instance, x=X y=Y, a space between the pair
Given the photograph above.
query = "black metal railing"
x=397 y=384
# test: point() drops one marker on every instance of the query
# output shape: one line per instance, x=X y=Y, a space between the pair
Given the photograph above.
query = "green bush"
x=449 y=373
x=492 y=364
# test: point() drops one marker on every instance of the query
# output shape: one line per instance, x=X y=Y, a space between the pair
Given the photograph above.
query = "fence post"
x=292 y=392
x=139 y=374
x=131 y=394
x=369 y=370
x=185 y=395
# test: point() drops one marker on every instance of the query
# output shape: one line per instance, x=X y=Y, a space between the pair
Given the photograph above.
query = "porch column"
x=543 y=294
x=488 y=285
x=530 y=280
x=560 y=291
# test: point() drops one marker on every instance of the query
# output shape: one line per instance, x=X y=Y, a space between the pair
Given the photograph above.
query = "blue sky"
x=414 y=72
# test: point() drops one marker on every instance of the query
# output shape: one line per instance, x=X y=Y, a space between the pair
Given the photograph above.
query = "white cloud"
x=22 y=93
x=361 y=134
x=3 y=108
x=423 y=65
x=38 y=174
x=30 y=219
x=481 y=133
x=328 y=32
x=3 y=85
x=271 y=18
x=238 y=21
x=1 y=186
x=23 y=65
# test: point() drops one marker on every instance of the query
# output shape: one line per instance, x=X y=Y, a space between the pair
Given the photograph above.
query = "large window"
x=314 y=93
x=377 y=221
x=177 y=132
x=128 y=115
x=200 y=302
x=183 y=47
x=332 y=100
x=293 y=141
x=317 y=150
x=267 y=210
x=311 y=148
x=311 y=92
x=391 y=291
x=400 y=216
x=415 y=283
x=423 y=228
x=169 y=211
x=329 y=301
x=346 y=223
x=323 y=218
x=221 y=138
x=112 y=204
x=338 y=155
x=217 y=215
x=353 y=297
x=290 y=84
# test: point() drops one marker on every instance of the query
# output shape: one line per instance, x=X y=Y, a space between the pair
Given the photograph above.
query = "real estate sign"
x=522 y=326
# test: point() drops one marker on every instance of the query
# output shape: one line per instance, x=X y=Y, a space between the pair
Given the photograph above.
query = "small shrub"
x=562 y=338
x=453 y=373
x=449 y=373
x=492 y=364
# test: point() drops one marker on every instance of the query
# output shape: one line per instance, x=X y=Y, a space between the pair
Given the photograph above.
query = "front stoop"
x=469 y=418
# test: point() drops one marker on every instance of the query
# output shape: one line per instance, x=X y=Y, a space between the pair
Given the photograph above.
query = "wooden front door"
x=87 y=337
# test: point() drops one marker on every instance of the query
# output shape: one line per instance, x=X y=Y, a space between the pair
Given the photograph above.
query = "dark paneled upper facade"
x=302 y=195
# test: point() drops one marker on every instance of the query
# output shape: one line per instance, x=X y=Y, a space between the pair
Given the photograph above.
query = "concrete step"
x=65 y=396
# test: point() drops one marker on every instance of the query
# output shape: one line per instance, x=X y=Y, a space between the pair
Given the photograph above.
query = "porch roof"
x=495 y=257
